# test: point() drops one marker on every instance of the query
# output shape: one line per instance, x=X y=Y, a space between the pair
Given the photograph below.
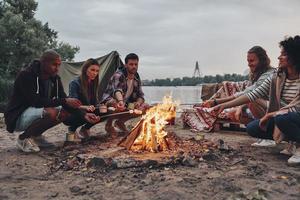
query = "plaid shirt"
x=118 y=82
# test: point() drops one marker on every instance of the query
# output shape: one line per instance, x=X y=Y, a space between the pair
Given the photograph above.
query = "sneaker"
x=290 y=149
x=83 y=133
x=27 y=145
x=121 y=126
x=295 y=159
x=264 y=143
x=42 y=142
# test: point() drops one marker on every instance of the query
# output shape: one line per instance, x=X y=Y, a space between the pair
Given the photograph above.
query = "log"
x=129 y=139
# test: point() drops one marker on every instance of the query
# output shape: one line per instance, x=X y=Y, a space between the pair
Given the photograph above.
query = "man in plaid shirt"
x=124 y=91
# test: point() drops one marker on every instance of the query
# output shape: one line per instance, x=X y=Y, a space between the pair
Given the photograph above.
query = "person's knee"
x=252 y=128
x=281 y=121
x=51 y=113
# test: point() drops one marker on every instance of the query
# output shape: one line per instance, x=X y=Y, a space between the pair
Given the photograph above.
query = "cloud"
x=171 y=35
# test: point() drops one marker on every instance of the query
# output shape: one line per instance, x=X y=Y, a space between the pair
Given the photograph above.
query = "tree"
x=23 y=38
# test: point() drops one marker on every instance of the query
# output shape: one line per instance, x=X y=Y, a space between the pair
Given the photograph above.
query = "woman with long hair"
x=282 y=120
x=84 y=88
x=260 y=69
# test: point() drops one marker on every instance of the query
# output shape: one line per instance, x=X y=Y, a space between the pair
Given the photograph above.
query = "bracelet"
x=215 y=102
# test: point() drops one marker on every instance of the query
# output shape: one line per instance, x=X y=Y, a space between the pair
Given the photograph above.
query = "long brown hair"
x=263 y=63
x=84 y=78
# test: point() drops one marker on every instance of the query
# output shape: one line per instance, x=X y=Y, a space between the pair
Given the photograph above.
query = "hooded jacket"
x=29 y=91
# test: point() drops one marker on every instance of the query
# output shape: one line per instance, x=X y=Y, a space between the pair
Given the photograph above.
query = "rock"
x=89 y=180
x=222 y=145
x=189 y=161
x=71 y=164
x=76 y=190
x=150 y=163
x=210 y=157
x=55 y=194
x=97 y=162
x=123 y=163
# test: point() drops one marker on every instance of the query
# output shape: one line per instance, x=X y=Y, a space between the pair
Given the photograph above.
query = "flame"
x=152 y=134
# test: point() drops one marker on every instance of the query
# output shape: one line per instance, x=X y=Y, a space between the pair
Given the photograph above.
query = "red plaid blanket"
x=203 y=119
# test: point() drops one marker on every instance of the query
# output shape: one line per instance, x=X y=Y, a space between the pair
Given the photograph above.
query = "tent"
x=109 y=64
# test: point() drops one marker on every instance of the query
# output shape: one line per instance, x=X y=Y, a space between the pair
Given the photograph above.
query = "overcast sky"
x=171 y=35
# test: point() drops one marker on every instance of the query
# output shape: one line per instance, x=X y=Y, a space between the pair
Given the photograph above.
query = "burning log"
x=148 y=134
x=129 y=139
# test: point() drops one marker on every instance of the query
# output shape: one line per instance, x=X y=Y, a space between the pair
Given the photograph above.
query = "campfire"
x=149 y=133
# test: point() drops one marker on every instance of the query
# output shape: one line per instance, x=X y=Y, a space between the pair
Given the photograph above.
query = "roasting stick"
x=135 y=111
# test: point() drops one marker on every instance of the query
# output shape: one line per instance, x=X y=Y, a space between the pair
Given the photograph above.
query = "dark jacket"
x=29 y=91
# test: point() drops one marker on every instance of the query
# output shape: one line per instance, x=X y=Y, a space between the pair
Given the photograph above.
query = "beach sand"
x=243 y=172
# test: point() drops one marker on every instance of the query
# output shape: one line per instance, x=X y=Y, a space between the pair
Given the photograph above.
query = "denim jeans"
x=288 y=124
x=27 y=117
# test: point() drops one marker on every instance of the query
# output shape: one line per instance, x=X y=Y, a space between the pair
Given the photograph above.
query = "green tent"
x=109 y=64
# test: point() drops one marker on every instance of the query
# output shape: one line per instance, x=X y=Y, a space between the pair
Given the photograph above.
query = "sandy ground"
x=244 y=172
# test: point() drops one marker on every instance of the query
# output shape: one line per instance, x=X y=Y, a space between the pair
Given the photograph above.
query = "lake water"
x=185 y=94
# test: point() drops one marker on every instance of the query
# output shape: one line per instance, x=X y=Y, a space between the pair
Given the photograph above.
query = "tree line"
x=192 y=81
x=24 y=38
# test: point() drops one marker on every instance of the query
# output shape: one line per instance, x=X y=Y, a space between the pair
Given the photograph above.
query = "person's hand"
x=281 y=112
x=137 y=105
x=263 y=122
x=73 y=103
x=120 y=106
x=208 y=103
x=238 y=113
x=216 y=110
x=91 y=118
x=90 y=108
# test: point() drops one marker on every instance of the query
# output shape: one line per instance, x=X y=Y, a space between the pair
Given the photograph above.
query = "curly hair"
x=291 y=45
x=263 y=62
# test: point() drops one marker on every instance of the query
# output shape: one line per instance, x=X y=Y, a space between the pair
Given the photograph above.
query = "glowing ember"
x=151 y=134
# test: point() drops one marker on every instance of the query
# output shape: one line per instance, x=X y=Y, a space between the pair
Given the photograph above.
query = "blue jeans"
x=288 y=124
x=27 y=117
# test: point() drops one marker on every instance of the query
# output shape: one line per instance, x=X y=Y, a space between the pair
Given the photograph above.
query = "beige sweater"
x=277 y=84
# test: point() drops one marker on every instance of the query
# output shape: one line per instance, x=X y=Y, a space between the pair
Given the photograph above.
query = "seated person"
x=38 y=102
x=282 y=120
x=260 y=69
x=124 y=91
x=85 y=89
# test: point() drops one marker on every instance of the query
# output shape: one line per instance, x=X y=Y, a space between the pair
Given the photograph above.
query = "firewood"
x=129 y=139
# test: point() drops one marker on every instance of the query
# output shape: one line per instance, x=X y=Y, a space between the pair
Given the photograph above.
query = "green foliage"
x=24 y=38
x=6 y=87
x=192 y=81
x=67 y=51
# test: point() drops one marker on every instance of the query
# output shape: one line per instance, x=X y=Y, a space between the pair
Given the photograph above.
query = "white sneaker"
x=27 y=145
x=290 y=149
x=41 y=141
x=264 y=143
x=295 y=159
